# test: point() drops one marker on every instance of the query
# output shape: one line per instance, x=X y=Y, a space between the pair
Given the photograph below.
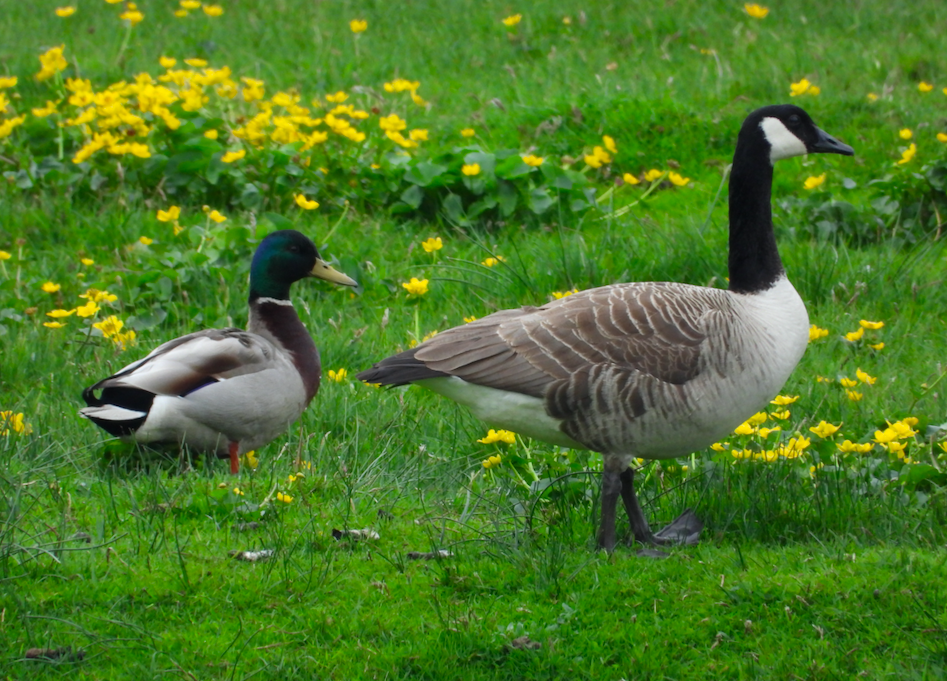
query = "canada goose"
x=650 y=370
x=225 y=391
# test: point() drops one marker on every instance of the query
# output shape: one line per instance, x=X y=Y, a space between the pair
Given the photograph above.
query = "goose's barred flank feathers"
x=651 y=370
x=225 y=391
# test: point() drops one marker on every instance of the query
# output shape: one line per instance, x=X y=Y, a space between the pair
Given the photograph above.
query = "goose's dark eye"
x=794 y=119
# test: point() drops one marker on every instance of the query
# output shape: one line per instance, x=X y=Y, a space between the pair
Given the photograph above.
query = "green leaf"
x=507 y=198
x=454 y=209
x=413 y=196
x=278 y=221
x=486 y=203
x=424 y=173
x=485 y=160
x=539 y=201
x=512 y=167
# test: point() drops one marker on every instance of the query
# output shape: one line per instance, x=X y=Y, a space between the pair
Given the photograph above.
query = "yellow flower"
x=4 y=255
x=924 y=87
x=653 y=175
x=7 y=82
x=865 y=378
x=170 y=215
x=337 y=376
x=54 y=325
x=216 y=216
x=196 y=62
x=467 y=320
x=50 y=287
x=251 y=459
x=854 y=396
x=815 y=333
x=764 y=432
x=872 y=97
x=677 y=180
x=597 y=158
x=493 y=461
x=124 y=339
x=814 y=181
x=781 y=415
x=897 y=448
x=416 y=287
x=783 y=400
x=877 y=346
x=59 y=314
x=65 y=11
x=609 y=144
x=855 y=335
x=471 y=169
x=232 y=156
x=305 y=203
x=628 y=178
x=534 y=161
x=903 y=427
x=719 y=446
x=336 y=98
x=563 y=294
x=849 y=446
x=803 y=87
x=758 y=418
x=468 y=132
x=167 y=62
x=512 y=20
x=96 y=296
x=52 y=62
x=87 y=310
x=358 y=25
x=432 y=244
x=908 y=154
x=238 y=491
x=491 y=261
x=190 y=4
x=145 y=241
x=872 y=326
x=10 y=421
x=87 y=261
x=213 y=10
x=109 y=326
x=942 y=137
x=418 y=135
x=905 y=133
x=848 y=382
x=211 y=134
x=179 y=13
x=48 y=110
x=285 y=498
x=744 y=428
x=755 y=11
x=824 y=429
x=132 y=16
x=506 y=436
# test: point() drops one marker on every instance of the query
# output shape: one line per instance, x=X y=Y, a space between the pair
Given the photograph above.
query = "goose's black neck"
x=754 y=261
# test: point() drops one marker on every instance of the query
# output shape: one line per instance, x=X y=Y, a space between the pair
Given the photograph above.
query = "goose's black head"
x=787 y=131
x=285 y=257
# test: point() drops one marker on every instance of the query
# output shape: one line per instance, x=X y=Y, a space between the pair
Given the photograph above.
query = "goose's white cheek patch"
x=783 y=144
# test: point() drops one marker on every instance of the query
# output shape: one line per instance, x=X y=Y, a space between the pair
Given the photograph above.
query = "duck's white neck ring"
x=274 y=301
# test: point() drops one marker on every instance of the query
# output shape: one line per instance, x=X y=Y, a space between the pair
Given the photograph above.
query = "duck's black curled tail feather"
x=399 y=369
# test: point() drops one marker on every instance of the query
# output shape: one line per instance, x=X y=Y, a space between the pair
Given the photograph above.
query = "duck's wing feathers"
x=185 y=364
x=655 y=330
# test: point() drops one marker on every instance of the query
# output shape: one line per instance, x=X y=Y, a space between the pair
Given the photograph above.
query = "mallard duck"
x=650 y=370
x=225 y=392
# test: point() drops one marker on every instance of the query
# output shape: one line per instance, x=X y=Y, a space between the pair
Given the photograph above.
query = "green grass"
x=829 y=574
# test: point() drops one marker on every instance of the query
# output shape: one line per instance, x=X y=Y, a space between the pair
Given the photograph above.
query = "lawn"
x=137 y=185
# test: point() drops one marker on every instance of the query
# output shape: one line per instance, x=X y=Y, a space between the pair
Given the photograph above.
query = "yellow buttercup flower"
x=865 y=378
x=609 y=144
x=853 y=395
x=59 y=314
x=167 y=62
x=924 y=87
x=87 y=261
x=905 y=133
x=468 y=132
x=849 y=446
x=677 y=180
x=285 y=498
x=170 y=215
x=781 y=415
x=815 y=333
x=13 y=422
x=628 y=178
x=216 y=216
x=512 y=20
x=53 y=325
x=803 y=87
x=432 y=244
x=232 y=156
x=109 y=326
x=145 y=241
x=491 y=261
x=358 y=25
x=908 y=154
x=132 y=16
x=52 y=62
x=492 y=436
x=467 y=320
x=196 y=62
x=877 y=346
x=65 y=11
x=305 y=203
x=872 y=326
x=533 y=161
x=597 y=157
x=825 y=429
x=563 y=294
x=744 y=428
x=493 y=461
x=814 y=181
x=337 y=376
x=87 y=310
x=50 y=287
x=653 y=174
x=190 y=4
x=470 y=169
x=7 y=82
x=855 y=335
x=213 y=10
x=755 y=11
x=783 y=400
x=416 y=287
x=848 y=382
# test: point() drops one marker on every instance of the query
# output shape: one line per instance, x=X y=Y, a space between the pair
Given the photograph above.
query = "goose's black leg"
x=685 y=529
x=611 y=488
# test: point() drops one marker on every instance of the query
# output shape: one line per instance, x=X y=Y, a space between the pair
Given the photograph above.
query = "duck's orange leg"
x=233 y=448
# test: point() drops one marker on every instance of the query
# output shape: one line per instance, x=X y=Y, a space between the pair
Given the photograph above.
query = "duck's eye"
x=294 y=249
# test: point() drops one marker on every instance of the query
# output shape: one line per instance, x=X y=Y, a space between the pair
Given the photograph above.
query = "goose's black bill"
x=826 y=144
